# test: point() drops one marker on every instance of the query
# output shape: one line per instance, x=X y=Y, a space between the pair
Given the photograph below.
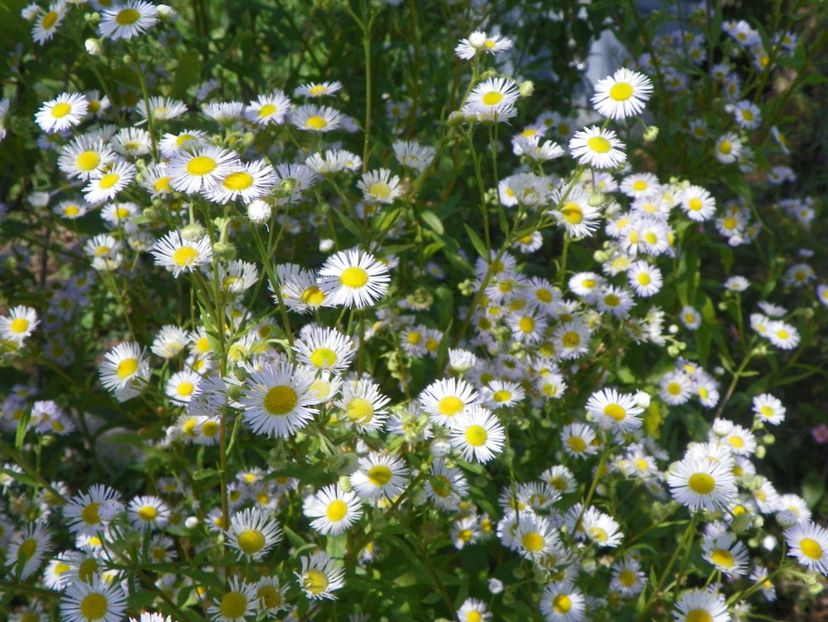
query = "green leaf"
x=433 y=221
x=22 y=426
x=187 y=73
x=477 y=242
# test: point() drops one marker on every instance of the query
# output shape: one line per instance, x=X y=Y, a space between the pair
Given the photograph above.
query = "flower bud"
x=193 y=232
x=477 y=39
x=651 y=133
x=596 y=199
x=258 y=211
x=526 y=88
x=93 y=46
x=191 y=522
x=326 y=245
x=224 y=250
x=456 y=118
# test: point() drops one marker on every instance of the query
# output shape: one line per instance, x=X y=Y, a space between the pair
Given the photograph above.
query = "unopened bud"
x=193 y=232
x=456 y=118
x=596 y=199
x=93 y=46
x=651 y=133
x=224 y=250
x=526 y=88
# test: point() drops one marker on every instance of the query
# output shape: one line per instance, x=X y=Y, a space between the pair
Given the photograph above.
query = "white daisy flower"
x=89 y=513
x=701 y=484
x=18 y=324
x=93 y=601
x=26 y=549
x=353 y=278
x=183 y=386
x=188 y=140
x=62 y=112
x=477 y=434
x=615 y=411
x=644 y=278
x=728 y=148
x=332 y=509
x=310 y=118
x=127 y=20
x=253 y=532
x=444 y=400
x=598 y=148
x=697 y=203
x=696 y=605
x=317 y=89
x=808 y=543
x=161 y=108
x=726 y=553
x=86 y=156
x=320 y=576
x=270 y=108
x=363 y=404
x=237 y=604
x=782 y=335
x=114 y=179
x=379 y=186
x=277 y=400
x=125 y=369
x=413 y=155
x=379 y=475
x=578 y=440
x=245 y=181
x=622 y=94
x=201 y=168
x=768 y=409
x=148 y=512
x=325 y=349
x=178 y=255
x=492 y=99
x=47 y=22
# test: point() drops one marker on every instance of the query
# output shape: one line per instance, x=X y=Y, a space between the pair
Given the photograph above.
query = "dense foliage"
x=410 y=311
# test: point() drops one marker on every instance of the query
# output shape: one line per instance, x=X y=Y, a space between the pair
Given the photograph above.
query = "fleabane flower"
x=353 y=278
x=699 y=483
x=200 y=168
x=808 y=543
x=332 y=509
x=277 y=400
x=493 y=99
x=623 y=94
x=597 y=147
x=127 y=20
x=380 y=186
x=477 y=434
x=19 y=324
x=178 y=255
x=62 y=112
x=253 y=533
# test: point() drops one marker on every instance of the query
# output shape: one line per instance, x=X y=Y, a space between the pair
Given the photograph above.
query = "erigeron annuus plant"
x=287 y=362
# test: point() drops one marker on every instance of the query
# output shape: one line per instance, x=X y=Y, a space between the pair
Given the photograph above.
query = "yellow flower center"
x=185 y=389
x=251 y=541
x=577 y=444
x=107 y=181
x=810 y=548
x=127 y=17
x=360 y=410
x=88 y=160
x=201 y=165
x=627 y=577
x=414 y=337
x=94 y=606
x=644 y=278
x=526 y=324
x=210 y=428
x=533 y=541
x=450 y=405
x=147 y=512
x=379 y=190
x=315 y=581
x=270 y=596
x=701 y=483
x=737 y=442
x=621 y=91
x=49 y=20
x=640 y=185
x=316 y=90
x=698 y=615
x=571 y=339
x=476 y=435
x=599 y=144
x=162 y=184
x=502 y=396
x=353 y=277
x=90 y=513
x=27 y=549
x=323 y=357
x=313 y=296
x=280 y=400
x=267 y=110
x=184 y=256
x=725 y=147
x=615 y=411
x=238 y=181
x=316 y=122
x=233 y=605
x=474 y=616
x=61 y=109
x=87 y=569
x=379 y=475
x=337 y=510
x=19 y=325
x=723 y=558
x=492 y=98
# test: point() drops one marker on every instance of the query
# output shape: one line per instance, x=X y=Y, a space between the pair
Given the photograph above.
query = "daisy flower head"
x=601 y=528
x=320 y=576
x=93 y=601
x=728 y=148
x=270 y=108
x=597 y=148
x=200 y=168
x=237 y=604
x=690 y=318
x=253 y=532
x=353 y=278
x=380 y=186
x=444 y=400
x=148 y=512
x=332 y=510
x=245 y=181
x=699 y=483
x=271 y=595
x=727 y=554
x=535 y=537
x=89 y=513
x=125 y=370
x=277 y=400
x=808 y=543
x=562 y=602
x=127 y=20
x=613 y=410
x=503 y=394
x=310 y=118
x=644 y=278
x=26 y=549
x=446 y=486
x=112 y=181
x=46 y=22
x=161 y=108
x=480 y=42
x=62 y=112
x=178 y=255
x=697 y=203
x=477 y=434
x=183 y=386
x=578 y=440
x=379 y=475
x=623 y=94
x=701 y=605
x=473 y=610
x=325 y=349
x=363 y=404
x=768 y=409
x=188 y=140
x=19 y=324
x=493 y=99
x=413 y=155
x=318 y=89
x=782 y=335
x=85 y=157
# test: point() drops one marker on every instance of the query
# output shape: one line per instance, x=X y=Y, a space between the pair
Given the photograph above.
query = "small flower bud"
x=596 y=199
x=191 y=522
x=326 y=245
x=193 y=232
x=93 y=46
x=651 y=133
x=258 y=211
x=224 y=250
x=456 y=118
x=526 y=88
